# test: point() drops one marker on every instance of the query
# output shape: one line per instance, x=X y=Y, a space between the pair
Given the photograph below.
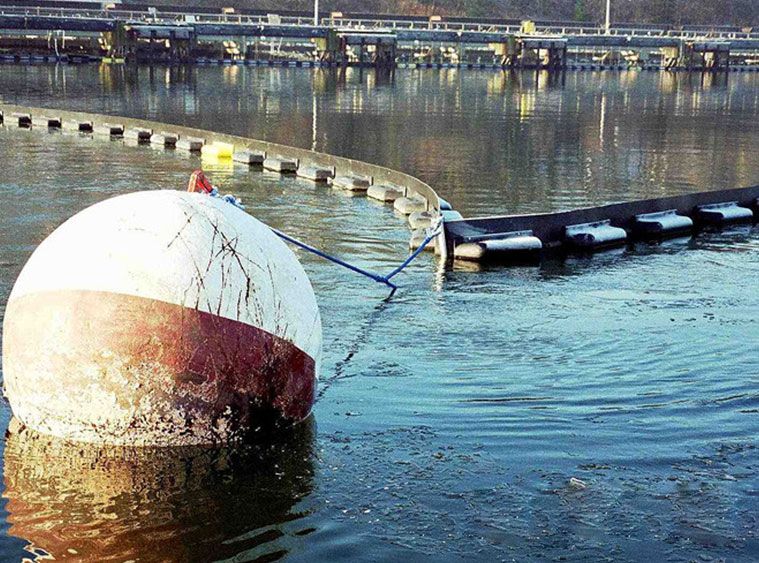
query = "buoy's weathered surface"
x=160 y=318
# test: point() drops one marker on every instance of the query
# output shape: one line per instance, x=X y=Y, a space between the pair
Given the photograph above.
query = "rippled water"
x=492 y=142
x=453 y=419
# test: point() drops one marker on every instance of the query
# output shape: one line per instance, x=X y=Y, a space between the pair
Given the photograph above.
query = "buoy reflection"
x=95 y=503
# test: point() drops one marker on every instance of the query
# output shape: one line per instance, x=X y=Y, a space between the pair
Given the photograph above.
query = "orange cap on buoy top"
x=199 y=183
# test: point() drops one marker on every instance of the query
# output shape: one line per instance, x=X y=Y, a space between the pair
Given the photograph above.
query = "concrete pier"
x=189 y=35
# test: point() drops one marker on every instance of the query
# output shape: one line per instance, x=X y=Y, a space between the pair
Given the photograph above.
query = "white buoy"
x=160 y=318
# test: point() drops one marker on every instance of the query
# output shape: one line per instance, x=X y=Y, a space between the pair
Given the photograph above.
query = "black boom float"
x=507 y=238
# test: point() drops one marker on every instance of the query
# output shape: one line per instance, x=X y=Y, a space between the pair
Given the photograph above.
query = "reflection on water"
x=453 y=419
x=102 y=503
x=490 y=142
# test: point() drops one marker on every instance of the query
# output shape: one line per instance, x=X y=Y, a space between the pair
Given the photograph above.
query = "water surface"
x=491 y=142
x=452 y=420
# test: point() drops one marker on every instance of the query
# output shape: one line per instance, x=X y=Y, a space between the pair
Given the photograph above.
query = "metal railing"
x=420 y=25
x=157 y=17
x=373 y=24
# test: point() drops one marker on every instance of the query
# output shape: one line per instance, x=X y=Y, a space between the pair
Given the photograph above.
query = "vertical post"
x=608 y=16
x=316 y=12
x=314 y=122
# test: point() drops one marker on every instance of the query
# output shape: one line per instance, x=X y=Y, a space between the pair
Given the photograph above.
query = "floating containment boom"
x=160 y=318
x=281 y=165
x=164 y=139
x=724 y=213
x=190 y=144
x=384 y=192
x=251 y=158
x=219 y=150
x=23 y=119
x=594 y=228
x=109 y=130
x=352 y=183
x=594 y=235
x=515 y=245
x=141 y=135
x=315 y=173
x=77 y=125
x=661 y=224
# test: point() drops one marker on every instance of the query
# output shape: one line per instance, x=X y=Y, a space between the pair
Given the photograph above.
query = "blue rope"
x=371 y=275
x=413 y=256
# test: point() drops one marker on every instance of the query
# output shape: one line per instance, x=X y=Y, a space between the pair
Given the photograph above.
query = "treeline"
x=743 y=13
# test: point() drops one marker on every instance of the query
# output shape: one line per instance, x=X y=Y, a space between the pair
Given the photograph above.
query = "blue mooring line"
x=371 y=275
x=376 y=277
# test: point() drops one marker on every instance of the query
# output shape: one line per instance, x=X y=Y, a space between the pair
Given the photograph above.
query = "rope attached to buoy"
x=371 y=275
x=200 y=184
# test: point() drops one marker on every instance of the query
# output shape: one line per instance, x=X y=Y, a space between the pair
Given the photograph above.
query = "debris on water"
x=594 y=467
x=577 y=484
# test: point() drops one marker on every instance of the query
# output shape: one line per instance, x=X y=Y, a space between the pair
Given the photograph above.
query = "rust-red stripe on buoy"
x=215 y=375
x=160 y=318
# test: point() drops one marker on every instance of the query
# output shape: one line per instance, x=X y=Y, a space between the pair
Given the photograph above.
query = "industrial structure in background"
x=40 y=31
